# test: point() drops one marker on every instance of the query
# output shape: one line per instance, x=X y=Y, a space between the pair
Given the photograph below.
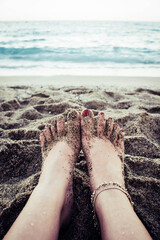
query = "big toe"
x=73 y=123
x=73 y=131
x=87 y=124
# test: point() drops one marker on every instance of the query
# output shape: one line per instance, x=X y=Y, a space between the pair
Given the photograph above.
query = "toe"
x=53 y=129
x=61 y=126
x=42 y=139
x=47 y=133
x=101 y=124
x=73 y=128
x=109 y=126
x=114 y=134
x=73 y=122
x=87 y=124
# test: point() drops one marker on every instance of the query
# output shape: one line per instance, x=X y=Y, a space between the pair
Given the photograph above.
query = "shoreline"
x=81 y=80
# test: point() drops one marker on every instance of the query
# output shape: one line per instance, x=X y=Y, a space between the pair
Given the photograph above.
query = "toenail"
x=102 y=113
x=122 y=130
x=73 y=115
x=110 y=117
x=85 y=113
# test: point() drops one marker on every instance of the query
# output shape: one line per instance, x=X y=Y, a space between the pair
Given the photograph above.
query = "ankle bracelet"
x=107 y=186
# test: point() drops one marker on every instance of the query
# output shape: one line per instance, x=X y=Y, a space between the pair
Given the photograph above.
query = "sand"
x=24 y=111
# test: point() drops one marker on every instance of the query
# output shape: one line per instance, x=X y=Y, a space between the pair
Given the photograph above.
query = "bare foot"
x=60 y=148
x=103 y=148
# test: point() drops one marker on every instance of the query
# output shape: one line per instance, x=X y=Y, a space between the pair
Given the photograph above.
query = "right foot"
x=60 y=148
x=103 y=148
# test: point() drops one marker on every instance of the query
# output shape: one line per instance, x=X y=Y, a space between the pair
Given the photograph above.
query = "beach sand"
x=27 y=104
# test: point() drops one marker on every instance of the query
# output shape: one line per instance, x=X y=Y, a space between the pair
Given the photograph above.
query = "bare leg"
x=50 y=203
x=103 y=149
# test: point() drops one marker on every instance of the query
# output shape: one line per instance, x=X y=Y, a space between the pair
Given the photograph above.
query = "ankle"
x=111 y=200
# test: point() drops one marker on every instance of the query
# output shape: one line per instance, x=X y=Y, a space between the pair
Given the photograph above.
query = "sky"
x=116 y=10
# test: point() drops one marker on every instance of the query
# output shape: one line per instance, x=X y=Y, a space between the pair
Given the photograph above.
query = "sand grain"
x=24 y=111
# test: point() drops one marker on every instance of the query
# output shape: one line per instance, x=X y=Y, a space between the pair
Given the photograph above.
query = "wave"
x=90 y=60
x=156 y=30
x=133 y=50
x=18 y=67
x=4 y=43
x=80 y=55
x=34 y=40
x=22 y=51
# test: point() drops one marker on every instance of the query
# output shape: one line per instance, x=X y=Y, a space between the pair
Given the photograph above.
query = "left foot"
x=60 y=148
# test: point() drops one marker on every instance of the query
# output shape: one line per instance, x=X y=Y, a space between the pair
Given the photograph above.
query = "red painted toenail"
x=122 y=130
x=110 y=117
x=116 y=124
x=85 y=113
x=102 y=113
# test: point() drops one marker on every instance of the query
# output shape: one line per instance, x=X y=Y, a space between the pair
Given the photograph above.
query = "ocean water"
x=79 y=47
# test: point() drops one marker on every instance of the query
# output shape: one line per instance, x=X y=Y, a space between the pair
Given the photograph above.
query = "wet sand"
x=80 y=80
x=24 y=111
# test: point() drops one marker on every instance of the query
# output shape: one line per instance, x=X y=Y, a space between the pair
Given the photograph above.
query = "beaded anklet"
x=107 y=186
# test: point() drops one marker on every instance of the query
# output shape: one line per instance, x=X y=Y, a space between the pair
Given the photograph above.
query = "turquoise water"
x=101 y=48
